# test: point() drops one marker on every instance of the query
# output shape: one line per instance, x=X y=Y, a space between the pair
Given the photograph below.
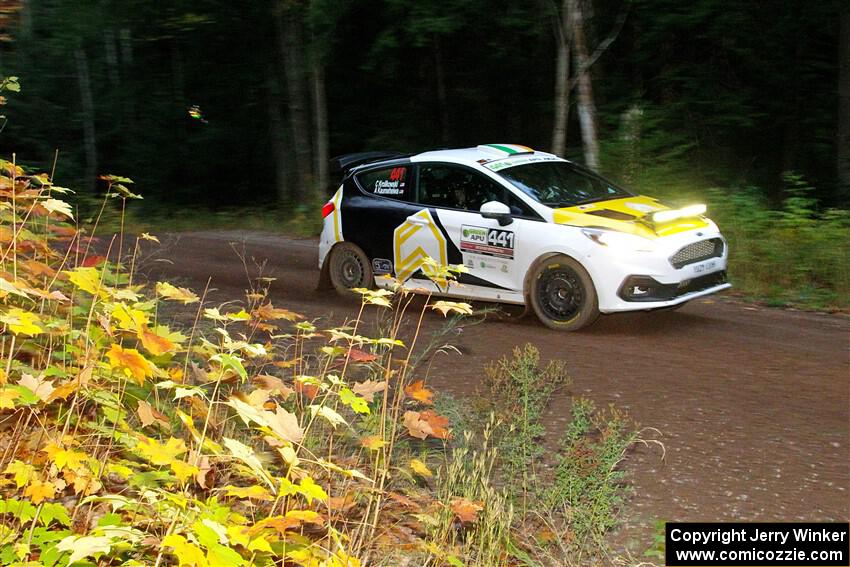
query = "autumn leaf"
x=372 y=442
x=158 y=453
x=368 y=388
x=149 y=415
x=466 y=510
x=38 y=491
x=87 y=279
x=93 y=261
x=310 y=490
x=22 y=322
x=39 y=386
x=254 y=492
x=419 y=392
x=423 y=424
x=324 y=411
x=284 y=424
x=130 y=362
x=187 y=553
x=22 y=472
x=446 y=307
x=58 y=207
x=273 y=385
x=357 y=355
x=85 y=546
x=247 y=455
x=7 y=395
x=182 y=470
x=129 y=319
x=420 y=468
x=155 y=344
x=181 y=294
x=269 y=312
x=415 y=426
x=65 y=458
x=438 y=424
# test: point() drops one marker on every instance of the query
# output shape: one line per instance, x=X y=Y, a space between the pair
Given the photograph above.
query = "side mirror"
x=496 y=210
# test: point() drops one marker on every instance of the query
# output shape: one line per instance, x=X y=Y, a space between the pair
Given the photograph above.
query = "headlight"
x=618 y=241
x=673 y=214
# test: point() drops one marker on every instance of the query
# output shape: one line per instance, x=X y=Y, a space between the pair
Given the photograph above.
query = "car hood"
x=629 y=214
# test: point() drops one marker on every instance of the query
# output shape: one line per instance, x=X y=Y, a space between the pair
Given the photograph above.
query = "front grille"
x=697 y=252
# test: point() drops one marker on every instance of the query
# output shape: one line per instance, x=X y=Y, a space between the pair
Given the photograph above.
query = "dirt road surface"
x=752 y=404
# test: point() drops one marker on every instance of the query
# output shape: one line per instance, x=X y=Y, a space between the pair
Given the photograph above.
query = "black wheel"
x=349 y=268
x=562 y=294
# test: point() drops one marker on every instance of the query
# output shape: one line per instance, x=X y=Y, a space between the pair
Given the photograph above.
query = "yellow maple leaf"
x=87 y=279
x=158 y=453
x=183 y=471
x=130 y=362
x=65 y=458
x=6 y=397
x=39 y=491
x=22 y=471
x=22 y=322
x=128 y=318
x=420 y=468
x=187 y=553
x=372 y=442
x=168 y=291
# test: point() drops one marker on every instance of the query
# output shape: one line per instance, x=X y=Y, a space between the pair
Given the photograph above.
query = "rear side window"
x=392 y=182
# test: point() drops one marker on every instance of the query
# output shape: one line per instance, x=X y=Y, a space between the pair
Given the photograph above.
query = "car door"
x=378 y=200
x=454 y=195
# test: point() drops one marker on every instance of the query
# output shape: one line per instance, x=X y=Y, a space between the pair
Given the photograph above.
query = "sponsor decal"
x=481 y=262
x=392 y=186
x=381 y=266
x=496 y=165
x=488 y=241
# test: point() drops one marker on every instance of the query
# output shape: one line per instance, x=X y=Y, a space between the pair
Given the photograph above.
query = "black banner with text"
x=763 y=544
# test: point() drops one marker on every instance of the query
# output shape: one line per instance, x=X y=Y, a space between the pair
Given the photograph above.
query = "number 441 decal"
x=489 y=241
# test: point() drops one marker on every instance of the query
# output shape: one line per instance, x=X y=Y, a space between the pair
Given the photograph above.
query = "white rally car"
x=531 y=228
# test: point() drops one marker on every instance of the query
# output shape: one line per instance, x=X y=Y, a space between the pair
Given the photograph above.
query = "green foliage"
x=795 y=255
x=588 y=485
x=520 y=391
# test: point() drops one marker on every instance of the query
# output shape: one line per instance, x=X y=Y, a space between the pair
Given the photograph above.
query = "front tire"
x=349 y=268
x=562 y=294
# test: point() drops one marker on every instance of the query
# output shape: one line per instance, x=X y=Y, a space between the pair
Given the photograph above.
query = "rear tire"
x=562 y=294
x=349 y=268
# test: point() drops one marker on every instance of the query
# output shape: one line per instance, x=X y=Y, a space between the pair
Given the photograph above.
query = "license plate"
x=705 y=267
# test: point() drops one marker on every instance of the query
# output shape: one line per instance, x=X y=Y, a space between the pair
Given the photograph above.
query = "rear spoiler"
x=346 y=162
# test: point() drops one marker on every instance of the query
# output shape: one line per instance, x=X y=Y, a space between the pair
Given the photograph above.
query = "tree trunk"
x=89 y=139
x=111 y=57
x=442 y=98
x=562 y=90
x=278 y=136
x=844 y=107
x=320 y=117
x=586 y=106
x=289 y=36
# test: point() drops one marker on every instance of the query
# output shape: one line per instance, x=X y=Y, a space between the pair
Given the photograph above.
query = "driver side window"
x=456 y=187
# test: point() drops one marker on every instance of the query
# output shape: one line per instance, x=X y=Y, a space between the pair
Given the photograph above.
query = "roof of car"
x=480 y=154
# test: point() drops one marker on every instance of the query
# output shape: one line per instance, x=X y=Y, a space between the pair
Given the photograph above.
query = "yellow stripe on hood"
x=637 y=207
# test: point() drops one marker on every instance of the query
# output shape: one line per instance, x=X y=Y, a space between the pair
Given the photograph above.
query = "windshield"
x=561 y=184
